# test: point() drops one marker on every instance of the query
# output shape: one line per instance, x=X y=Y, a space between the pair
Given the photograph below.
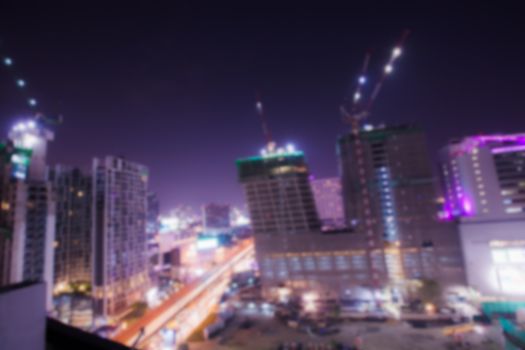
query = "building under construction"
x=390 y=197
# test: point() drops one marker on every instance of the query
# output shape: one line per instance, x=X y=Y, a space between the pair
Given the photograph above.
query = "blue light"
x=21 y=82
x=8 y=61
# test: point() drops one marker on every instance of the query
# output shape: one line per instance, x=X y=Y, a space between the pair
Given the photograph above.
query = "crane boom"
x=32 y=102
x=360 y=106
x=388 y=68
x=264 y=124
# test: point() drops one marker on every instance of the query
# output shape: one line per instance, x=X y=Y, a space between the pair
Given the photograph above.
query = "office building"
x=484 y=189
x=120 y=267
x=72 y=262
x=329 y=202
x=216 y=217
x=389 y=197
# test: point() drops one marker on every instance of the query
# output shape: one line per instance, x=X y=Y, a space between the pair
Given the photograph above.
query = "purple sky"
x=174 y=88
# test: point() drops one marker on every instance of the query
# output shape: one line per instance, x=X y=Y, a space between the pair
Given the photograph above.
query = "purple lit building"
x=484 y=188
x=329 y=202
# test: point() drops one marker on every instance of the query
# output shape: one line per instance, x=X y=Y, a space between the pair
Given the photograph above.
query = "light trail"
x=155 y=319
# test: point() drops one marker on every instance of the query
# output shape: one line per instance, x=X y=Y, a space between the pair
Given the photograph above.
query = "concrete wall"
x=481 y=270
x=23 y=317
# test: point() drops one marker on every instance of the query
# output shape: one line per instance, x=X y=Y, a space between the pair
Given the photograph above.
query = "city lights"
x=392 y=229
x=309 y=301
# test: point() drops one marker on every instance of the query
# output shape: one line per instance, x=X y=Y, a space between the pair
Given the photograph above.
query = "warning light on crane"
x=396 y=52
x=8 y=61
x=32 y=102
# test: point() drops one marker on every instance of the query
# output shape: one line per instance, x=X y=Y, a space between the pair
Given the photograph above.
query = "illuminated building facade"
x=28 y=207
x=484 y=177
x=484 y=182
x=216 y=217
x=72 y=262
x=120 y=267
x=389 y=197
x=329 y=202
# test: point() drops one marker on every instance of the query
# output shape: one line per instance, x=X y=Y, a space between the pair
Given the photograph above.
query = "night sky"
x=173 y=87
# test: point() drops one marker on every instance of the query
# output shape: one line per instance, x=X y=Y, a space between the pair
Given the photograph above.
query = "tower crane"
x=357 y=107
x=270 y=143
x=22 y=84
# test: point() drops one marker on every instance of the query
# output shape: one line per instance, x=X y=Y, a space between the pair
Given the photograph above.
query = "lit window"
x=513 y=210
x=482 y=193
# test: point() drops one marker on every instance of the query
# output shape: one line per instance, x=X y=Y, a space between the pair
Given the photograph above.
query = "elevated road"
x=183 y=302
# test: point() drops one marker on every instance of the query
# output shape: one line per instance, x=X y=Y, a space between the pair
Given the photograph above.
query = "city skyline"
x=262 y=177
x=180 y=92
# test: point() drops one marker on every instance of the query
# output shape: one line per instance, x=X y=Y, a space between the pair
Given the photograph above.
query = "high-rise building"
x=278 y=193
x=484 y=177
x=216 y=217
x=329 y=202
x=72 y=262
x=120 y=267
x=484 y=188
x=7 y=194
x=29 y=207
x=389 y=197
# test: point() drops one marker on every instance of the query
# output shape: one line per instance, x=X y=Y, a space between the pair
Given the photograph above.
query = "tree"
x=430 y=291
